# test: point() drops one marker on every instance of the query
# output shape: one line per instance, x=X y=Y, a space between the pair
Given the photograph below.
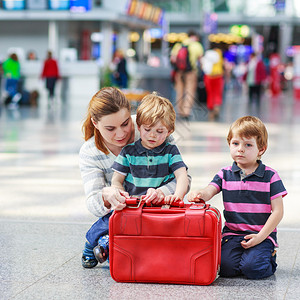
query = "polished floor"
x=43 y=217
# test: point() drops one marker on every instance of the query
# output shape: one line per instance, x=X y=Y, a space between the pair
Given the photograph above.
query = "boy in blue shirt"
x=151 y=161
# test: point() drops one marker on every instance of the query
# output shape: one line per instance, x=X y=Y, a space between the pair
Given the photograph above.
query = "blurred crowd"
x=208 y=74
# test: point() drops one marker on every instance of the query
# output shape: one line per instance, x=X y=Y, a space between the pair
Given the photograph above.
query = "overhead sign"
x=59 y=4
x=13 y=4
x=80 y=5
x=145 y=11
x=37 y=4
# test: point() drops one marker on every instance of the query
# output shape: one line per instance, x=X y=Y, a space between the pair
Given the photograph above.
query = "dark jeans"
x=97 y=230
x=255 y=263
x=255 y=94
x=50 y=85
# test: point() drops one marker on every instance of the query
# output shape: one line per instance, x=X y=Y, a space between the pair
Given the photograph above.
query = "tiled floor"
x=43 y=217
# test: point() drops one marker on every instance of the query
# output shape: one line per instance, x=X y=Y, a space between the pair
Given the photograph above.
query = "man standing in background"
x=185 y=57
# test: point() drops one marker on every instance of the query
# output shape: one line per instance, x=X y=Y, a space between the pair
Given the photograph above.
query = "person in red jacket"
x=51 y=74
x=254 y=78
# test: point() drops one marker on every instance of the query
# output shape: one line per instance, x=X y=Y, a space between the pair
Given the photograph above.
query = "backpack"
x=183 y=59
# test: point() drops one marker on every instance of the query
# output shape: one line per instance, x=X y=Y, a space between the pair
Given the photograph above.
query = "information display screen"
x=13 y=4
x=37 y=4
x=59 y=4
x=80 y=5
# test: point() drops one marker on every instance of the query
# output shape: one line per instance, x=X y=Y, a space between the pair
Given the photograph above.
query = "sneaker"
x=101 y=254
x=88 y=262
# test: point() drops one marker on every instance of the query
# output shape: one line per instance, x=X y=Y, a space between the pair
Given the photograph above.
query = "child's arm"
x=204 y=194
x=182 y=183
x=252 y=240
x=118 y=180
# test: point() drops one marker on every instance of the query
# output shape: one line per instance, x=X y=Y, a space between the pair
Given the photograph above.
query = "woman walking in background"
x=212 y=63
x=51 y=74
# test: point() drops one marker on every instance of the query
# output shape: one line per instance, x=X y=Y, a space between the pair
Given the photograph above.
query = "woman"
x=108 y=127
x=51 y=74
x=214 y=81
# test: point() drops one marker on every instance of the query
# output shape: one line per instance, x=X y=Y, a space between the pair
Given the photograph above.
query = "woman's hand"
x=114 y=198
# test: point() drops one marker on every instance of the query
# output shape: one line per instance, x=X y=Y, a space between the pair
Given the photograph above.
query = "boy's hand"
x=250 y=240
x=154 y=195
x=195 y=196
x=172 y=198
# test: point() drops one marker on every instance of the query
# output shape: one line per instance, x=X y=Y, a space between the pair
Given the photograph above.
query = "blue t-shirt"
x=145 y=168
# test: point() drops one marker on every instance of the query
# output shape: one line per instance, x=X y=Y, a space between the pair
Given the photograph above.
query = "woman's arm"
x=96 y=174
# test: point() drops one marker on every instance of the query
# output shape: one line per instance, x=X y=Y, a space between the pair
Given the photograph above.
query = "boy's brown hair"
x=154 y=108
x=248 y=127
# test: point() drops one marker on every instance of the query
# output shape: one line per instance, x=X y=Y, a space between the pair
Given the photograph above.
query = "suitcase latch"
x=133 y=202
x=166 y=206
x=198 y=206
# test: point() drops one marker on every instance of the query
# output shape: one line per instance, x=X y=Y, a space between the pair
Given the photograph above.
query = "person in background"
x=31 y=55
x=12 y=74
x=255 y=76
x=51 y=74
x=186 y=80
x=119 y=66
x=213 y=69
x=253 y=206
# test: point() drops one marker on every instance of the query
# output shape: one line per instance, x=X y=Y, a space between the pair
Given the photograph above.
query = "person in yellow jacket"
x=186 y=79
x=212 y=63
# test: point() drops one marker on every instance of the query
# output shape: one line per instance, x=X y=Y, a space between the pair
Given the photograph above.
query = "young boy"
x=253 y=207
x=151 y=161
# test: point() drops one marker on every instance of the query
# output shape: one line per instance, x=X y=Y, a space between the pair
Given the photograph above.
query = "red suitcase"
x=179 y=245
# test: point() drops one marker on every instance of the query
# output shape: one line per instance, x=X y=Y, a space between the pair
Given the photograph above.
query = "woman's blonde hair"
x=107 y=101
x=154 y=108
x=248 y=127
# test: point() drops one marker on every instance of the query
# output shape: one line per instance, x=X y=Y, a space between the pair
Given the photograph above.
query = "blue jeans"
x=255 y=263
x=11 y=86
x=97 y=230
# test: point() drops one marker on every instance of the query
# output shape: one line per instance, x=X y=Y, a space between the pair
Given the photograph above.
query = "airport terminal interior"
x=43 y=212
x=43 y=215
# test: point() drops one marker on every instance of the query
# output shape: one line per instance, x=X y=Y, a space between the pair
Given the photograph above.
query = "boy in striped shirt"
x=151 y=161
x=253 y=207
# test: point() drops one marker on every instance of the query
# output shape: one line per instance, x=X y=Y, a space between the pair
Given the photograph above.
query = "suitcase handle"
x=179 y=203
x=198 y=205
x=135 y=202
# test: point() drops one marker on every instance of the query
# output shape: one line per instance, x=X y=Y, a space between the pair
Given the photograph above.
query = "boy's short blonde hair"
x=248 y=127
x=154 y=108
